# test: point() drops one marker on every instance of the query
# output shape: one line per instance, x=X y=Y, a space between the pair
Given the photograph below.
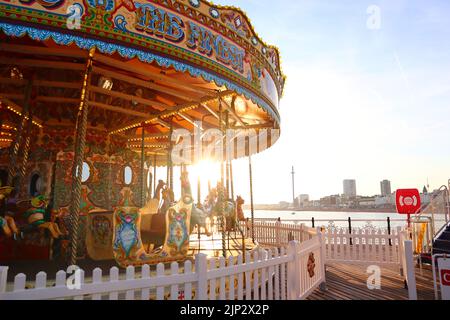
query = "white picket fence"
x=363 y=246
x=260 y=275
x=277 y=234
x=292 y=271
x=360 y=246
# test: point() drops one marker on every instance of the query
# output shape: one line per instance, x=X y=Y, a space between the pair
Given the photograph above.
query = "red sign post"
x=407 y=201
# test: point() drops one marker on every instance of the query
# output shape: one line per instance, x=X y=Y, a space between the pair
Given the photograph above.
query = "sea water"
x=339 y=218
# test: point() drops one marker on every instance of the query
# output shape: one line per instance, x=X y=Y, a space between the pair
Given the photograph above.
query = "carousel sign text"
x=160 y=23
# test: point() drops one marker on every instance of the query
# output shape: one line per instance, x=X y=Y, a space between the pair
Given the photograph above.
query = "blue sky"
x=359 y=103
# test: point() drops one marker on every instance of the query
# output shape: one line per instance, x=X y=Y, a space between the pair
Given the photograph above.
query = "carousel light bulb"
x=16 y=74
x=105 y=83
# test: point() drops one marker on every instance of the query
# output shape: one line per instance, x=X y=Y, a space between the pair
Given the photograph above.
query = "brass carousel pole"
x=231 y=180
x=142 y=187
x=109 y=178
x=78 y=159
x=227 y=163
x=150 y=179
x=19 y=135
x=154 y=175
x=1 y=113
x=169 y=158
x=199 y=197
x=251 y=196
x=221 y=191
x=1 y=119
x=26 y=151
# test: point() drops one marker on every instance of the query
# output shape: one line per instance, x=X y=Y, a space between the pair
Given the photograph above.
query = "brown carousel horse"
x=239 y=212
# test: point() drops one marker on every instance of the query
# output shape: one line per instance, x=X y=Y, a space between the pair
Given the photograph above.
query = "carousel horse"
x=153 y=204
x=168 y=200
x=216 y=206
x=36 y=217
x=198 y=216
x=150 y=218
x=240 y=213
x=128 y=247
x=153 y=227
x=7 y=223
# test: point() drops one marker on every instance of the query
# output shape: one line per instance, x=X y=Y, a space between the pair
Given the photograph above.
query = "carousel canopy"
x=158 y=66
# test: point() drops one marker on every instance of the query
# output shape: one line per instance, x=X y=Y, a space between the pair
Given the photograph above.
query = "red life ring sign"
x=443 y=265
x=407 y=201
x=445 y=277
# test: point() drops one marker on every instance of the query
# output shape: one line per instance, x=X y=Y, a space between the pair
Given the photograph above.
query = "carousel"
x=97 y=98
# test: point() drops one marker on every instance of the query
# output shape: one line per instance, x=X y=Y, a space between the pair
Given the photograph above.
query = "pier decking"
x=349 y=282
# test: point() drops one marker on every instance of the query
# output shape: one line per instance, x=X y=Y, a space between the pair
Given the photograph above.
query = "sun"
x=207 y=172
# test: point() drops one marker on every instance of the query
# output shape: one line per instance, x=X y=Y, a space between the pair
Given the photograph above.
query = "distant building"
x=385 y=201
x=350 y=188
x=302 y=200
x=367 y=202
x=385 y=187
x=330 y=201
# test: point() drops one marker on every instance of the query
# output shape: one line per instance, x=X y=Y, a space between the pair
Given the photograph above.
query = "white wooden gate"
x=363 y=246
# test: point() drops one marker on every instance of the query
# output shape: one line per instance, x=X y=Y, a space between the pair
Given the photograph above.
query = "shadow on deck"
x=349 y=282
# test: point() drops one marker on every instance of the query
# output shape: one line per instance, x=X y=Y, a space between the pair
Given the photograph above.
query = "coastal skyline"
x=361 y=102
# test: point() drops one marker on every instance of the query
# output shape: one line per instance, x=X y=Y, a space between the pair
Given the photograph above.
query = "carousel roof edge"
x=244 y=14
x=16 y=29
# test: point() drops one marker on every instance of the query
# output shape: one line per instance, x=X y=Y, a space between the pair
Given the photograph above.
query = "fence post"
x=389 y=229
x=350 y=229
x=3 y=278
x=400 y=251
x=201 y=269
x=410 y=270
x=302 y=229
x=293 y=271
x=323 y=285
x=277 y=233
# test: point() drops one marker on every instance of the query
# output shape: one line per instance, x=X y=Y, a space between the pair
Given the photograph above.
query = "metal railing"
x=428 y=224
x=389 y=223
x=437 y=210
